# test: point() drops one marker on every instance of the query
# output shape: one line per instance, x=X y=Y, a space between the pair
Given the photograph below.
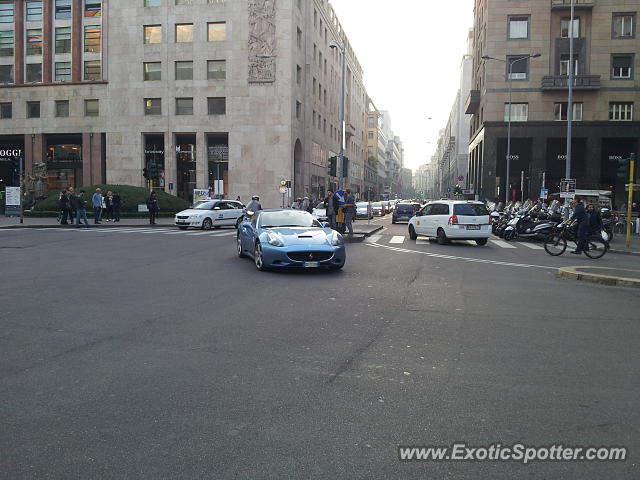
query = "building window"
x=622 y=67
x=624 y=25
x=216 y=69
x=92 y=35
x=62 y=72
x=91 y=108
x=34 y=11
x=152 y=34
x=298 y=109
x=564 y=27
x=518 y=28
x=33 y=109
x=621 y=111
x=216 y=32
x=519 y=112
x=6 y=11
x=62 y=108
x=33 y=73
x=564 y=65
x=153 y=106
x=6 y=110
x=6 y=43
x=6 y=74
x=298 y=75
x=184 y=70
x=34 y=41
x=184 y=32
x=519 y=67
x=370 y=135
x=63 y=9
x=92 y=70
x=299 y=38
x=152 y=71
x=92 y=8
x=561 y=109
x=217 y=105
x=152 y=3
x=63 y=40
x=184 y=106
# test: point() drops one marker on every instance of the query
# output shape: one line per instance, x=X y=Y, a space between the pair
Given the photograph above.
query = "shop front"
x=63 y=157
x=186 y=165
x=218 y=163
x=154 y=159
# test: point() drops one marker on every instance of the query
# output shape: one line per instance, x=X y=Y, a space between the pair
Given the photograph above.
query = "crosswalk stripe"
x=198 y=233
x=373 y=239
x=228 y=234
x=532 y=246
x=397 y=239
x=502 y=244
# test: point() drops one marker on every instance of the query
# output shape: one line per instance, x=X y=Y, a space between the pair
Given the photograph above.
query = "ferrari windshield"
x=287 y=218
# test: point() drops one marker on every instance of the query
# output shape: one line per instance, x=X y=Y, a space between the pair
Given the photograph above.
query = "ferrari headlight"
x=336 y=239
x=275 y=240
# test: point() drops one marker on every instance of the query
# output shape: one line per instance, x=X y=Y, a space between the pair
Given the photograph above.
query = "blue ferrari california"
x=281 y=238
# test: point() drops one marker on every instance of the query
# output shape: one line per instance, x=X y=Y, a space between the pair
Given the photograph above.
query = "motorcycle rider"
x=254 y=205
x=582 y=232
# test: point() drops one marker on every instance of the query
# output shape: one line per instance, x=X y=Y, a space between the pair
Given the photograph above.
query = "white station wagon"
x=452 y=220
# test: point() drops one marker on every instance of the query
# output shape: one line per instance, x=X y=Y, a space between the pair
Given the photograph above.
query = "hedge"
x=130 y=197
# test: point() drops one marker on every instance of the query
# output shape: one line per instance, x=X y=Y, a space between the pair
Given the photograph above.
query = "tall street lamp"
x=342 y=48
x=510 y=64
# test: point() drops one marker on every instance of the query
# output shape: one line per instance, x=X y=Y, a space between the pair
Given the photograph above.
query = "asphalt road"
x=158 y=354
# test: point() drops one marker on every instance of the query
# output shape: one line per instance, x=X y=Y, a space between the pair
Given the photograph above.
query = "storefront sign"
x=10 y=153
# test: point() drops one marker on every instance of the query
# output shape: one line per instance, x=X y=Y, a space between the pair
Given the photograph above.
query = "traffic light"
x=333 y=166
x=145 y=173
x=457 y=190
x=623 y=169
x=345 y=167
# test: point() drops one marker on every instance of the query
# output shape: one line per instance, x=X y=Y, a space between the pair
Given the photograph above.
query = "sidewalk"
x=50 y=222
x=619 y=244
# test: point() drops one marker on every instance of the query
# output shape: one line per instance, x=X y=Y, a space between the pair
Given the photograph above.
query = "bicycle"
x=556 y=243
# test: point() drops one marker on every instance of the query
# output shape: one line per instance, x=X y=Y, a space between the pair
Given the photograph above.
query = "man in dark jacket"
x=117 y=203
x=331 y=206
x=81 y=209
x=580 y=215
x=152 y=205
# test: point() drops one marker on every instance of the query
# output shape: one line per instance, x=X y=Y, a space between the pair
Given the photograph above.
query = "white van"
x=452 y=220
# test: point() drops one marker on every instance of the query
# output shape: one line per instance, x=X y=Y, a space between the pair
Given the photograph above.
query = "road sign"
x=544 y=193
x=448 y=189
x=568 y=188
x=340 y=194
x=283 y=183
x=468 y=191
x=282 y=189
x=460 y=178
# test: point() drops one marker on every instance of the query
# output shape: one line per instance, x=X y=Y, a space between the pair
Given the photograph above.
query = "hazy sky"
x=410 y=51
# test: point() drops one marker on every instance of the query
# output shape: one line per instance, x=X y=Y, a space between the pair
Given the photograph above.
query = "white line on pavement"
x=502 y=244
x=373 y=239
x=397 y=239
x=228 y=234
x=199 y=233
x=532 y=246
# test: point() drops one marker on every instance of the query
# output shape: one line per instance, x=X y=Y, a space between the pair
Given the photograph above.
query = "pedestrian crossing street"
x=145 y=231
x=396 y=240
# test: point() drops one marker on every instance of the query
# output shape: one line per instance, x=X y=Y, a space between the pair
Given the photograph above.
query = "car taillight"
x=453 y=220
x=490 y=220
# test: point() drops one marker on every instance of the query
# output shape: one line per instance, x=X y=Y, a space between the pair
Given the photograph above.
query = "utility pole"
x=342 y=48
x=570 y=81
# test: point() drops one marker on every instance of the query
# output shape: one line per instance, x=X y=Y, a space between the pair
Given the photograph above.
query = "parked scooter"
x=527 y=225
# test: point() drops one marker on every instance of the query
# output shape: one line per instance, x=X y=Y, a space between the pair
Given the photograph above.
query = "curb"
x=573 y=273
x=623 y=252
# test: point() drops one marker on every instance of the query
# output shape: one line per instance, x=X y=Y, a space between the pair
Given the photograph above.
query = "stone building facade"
x=232 y=95
x=607 y=95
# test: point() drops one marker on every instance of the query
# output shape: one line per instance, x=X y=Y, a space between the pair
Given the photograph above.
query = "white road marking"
x=228 y=234
x=532 y=246
x=502 y=244
x=465 y=259
x=397 y=239
x=207 y=232
x=373 y=239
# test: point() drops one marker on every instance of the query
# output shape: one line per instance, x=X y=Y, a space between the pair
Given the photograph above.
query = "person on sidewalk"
x=349 y=210
x=108 y=203
x=330 y=206
x=65 y=208
x=152 y=205
x=117 y=203
x=96 y=200
x=81 y=209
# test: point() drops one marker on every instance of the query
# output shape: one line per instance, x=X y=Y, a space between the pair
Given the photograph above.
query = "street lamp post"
x=342 y=48
x=570 y=99
x=510 y=64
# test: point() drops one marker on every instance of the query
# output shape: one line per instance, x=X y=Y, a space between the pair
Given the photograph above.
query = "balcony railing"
x=473 y=102
x=578 y=4
x=580 y=82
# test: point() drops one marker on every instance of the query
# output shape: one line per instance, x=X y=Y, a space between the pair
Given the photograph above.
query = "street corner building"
x=231 y=95
x=606 y=64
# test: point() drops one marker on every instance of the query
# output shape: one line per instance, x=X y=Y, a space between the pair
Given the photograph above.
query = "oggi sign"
x=11 y=153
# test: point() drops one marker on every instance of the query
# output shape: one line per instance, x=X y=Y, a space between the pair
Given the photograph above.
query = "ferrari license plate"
x=473 y=227
x=311 y=264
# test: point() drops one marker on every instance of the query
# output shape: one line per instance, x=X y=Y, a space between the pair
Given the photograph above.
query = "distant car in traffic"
x=209 y=214
x=282 y=238
x=452 y=220
x=378 y=209
x=404 y=212
x=320 y=212
x=363 y=211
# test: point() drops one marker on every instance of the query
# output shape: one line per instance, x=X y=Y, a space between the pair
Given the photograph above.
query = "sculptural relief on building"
x=262 y=41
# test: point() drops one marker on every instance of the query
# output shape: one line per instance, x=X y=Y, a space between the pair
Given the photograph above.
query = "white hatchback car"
x=452 y=220
x=209 y=214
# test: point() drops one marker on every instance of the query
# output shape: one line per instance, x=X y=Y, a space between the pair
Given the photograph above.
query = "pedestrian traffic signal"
x=333 y=166
x=345 y=167
x=623 y=169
